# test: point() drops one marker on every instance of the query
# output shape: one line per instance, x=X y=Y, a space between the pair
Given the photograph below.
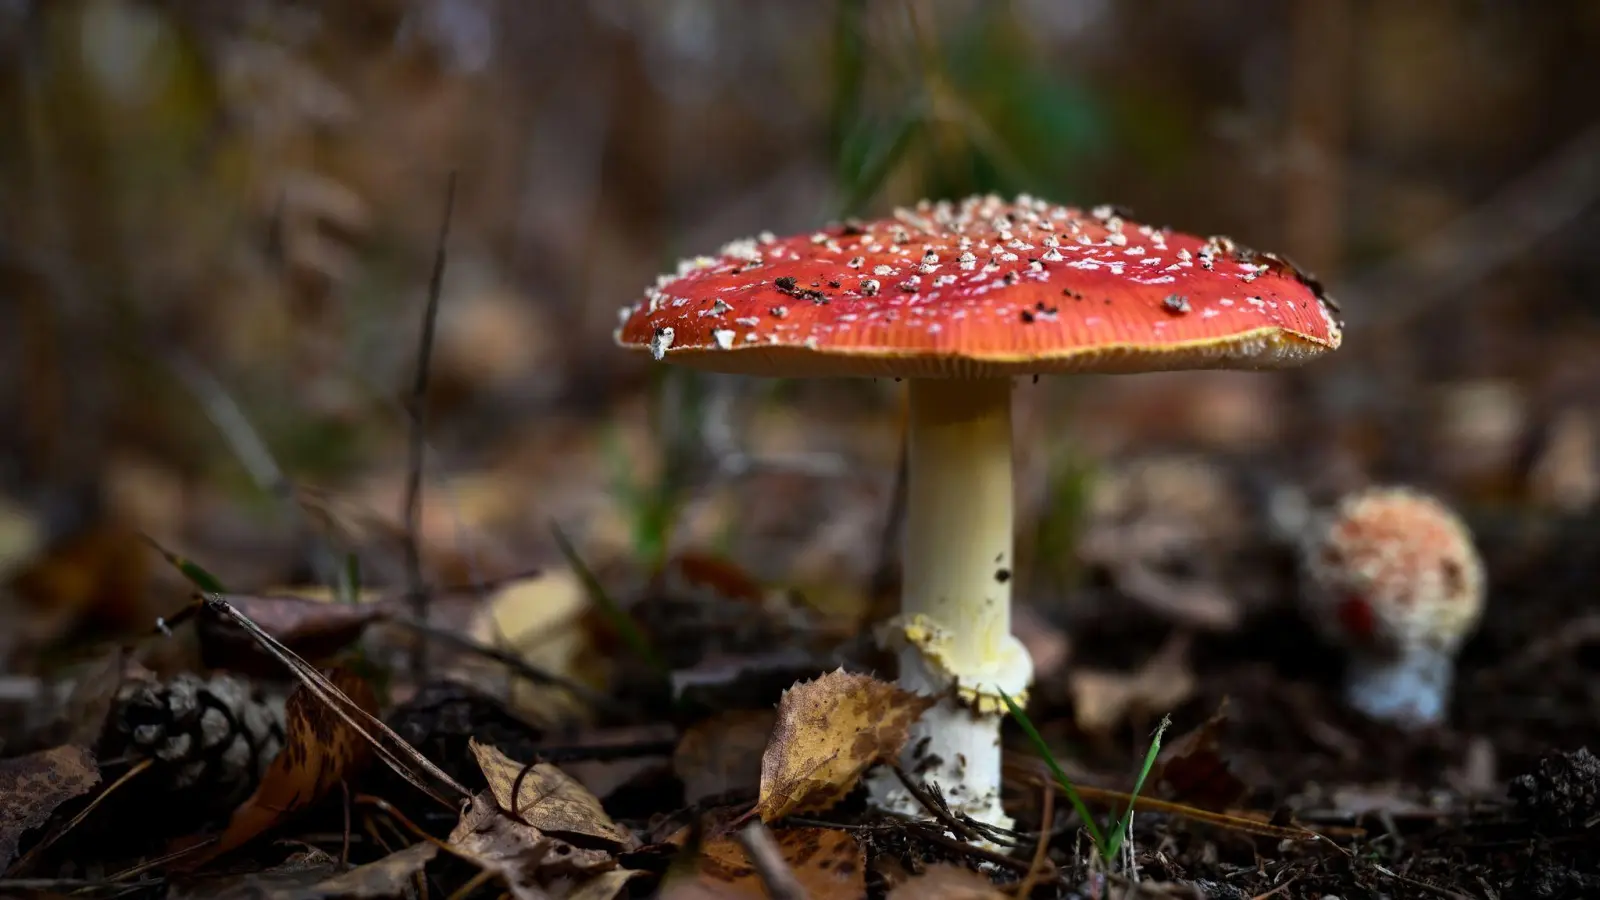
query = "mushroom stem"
x=959 y=512
x=1410 y=689
x=954 y=631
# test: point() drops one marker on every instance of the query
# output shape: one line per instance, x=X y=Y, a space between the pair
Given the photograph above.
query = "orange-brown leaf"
x=32 y=786
x=827 y=863
x=828 y=732
x=319 y=751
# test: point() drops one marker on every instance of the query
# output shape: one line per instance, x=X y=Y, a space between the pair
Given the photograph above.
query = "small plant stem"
x=418 y=410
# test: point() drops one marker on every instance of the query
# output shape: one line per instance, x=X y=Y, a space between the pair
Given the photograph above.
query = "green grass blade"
x=1138 y=785
x=189 y=569
x=619 y=619
x=350 y=579
x=1049 y=758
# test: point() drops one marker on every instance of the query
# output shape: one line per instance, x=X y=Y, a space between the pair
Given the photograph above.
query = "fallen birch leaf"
x=826 y=862
x=319 y=751
x=722 y=753
x=827 y=733
x=548 y=798
x=527 y=859
x=32 y=786
x=947 y=882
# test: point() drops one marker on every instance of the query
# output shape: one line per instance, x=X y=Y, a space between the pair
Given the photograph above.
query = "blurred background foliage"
x=217 y=222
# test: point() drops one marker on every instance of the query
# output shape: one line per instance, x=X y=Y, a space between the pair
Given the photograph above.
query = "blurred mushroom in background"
x=1392 y=576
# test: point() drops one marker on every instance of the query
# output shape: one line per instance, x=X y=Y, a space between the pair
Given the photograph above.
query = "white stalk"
x=1410 y=689
x=954 y=631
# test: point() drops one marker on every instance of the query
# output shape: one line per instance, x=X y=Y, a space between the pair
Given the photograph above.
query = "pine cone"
x=211 y=738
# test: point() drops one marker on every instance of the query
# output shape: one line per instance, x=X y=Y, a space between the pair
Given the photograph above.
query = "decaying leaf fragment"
x=947 y=882
x=1103 y=700
x=828 y=732
x=548 y=798
x=722 y=753
x=383 y=878
x=32 y=786
x=1192 y=769
x=319 y=751
x=826 y=862
x=532 y=864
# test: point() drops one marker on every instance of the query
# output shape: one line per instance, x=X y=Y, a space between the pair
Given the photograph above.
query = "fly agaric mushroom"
x=961 y=298
x=1392 y=575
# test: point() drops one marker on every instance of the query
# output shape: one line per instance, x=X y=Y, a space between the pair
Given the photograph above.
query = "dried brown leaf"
x=723 y=753
x=32 y=786
x=527 y=859
x=548 y=798
x=828 y=732
x=312 y=628
x=826 y=862
x=947 y=882
x=319 y=751
x=387 y=877
x=1192 y=769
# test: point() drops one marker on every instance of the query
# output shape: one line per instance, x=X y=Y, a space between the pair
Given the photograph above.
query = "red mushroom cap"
x=983 y=287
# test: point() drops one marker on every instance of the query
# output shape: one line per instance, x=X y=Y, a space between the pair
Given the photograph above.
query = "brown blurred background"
x=217 y=222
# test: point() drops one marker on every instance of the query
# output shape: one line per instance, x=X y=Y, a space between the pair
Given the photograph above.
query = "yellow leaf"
x=548 y=798
x=828 y=732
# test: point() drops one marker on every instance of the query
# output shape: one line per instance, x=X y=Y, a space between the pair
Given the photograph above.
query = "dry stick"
x=1041 y=850
x=353 y=716
x=23 y=864
x=419 y=392
x=767 y=859
x=936 y=808
x=937 y=836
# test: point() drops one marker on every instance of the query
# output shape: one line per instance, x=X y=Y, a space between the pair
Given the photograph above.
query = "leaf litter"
x=32 y=787
x=828 y=732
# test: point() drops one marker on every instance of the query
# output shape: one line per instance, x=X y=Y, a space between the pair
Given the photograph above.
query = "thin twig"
x=418 y=411
x=767 y=860
x=1041 y=850
x=936 y=808
x=937 y=836
x=516 y=664
x=354 y=716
